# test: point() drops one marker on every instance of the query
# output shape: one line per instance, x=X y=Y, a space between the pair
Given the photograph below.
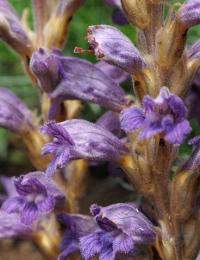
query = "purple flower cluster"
x=121 y=230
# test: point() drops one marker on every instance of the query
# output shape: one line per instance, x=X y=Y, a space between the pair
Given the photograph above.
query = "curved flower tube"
x=80 y=139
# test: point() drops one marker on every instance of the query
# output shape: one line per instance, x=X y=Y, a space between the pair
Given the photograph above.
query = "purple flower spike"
x=165 y=114
x=112 y=46
x=118 y=15
x=36 y=196
x=11 y=30
x=11 y=226
x=76 y=139
x=76 y=227
x=14 y=114
x=120 y=229
x=189 y=13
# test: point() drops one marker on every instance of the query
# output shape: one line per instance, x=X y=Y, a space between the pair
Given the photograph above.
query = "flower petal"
x=11 y=227
x=123 y=243
x=57 y=132
x=178 y=133
x=29 y=213
x=177 y=106
x=13 y=204
x=61 y=158
x=132 y=119
x=90 y=245
x=46 y=205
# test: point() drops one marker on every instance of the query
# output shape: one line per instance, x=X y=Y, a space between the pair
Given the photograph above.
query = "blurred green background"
x=12 y=75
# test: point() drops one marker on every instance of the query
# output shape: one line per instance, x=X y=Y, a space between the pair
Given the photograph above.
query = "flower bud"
x=122 y=53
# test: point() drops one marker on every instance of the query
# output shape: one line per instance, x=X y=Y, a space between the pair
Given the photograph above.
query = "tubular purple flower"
x=83 y=80
x=165 y=114
x=14 y=114
x=76 y=227
x=11 y=30
x=189 y=13
x=120 y=229
x=36 y=196
x=112 y=46
x=118 y=15
x=72 y=78
x=80 y=139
